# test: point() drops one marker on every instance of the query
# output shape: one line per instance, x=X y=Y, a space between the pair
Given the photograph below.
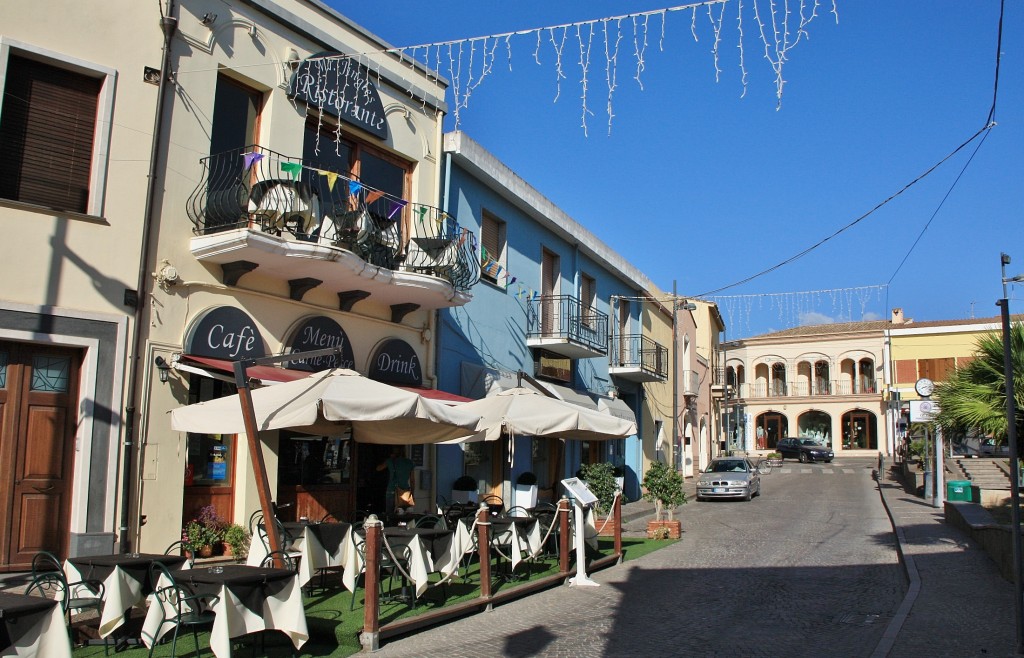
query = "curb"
x=892 y=631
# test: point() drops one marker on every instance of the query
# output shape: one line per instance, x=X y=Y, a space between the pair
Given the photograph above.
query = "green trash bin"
x=958 y=490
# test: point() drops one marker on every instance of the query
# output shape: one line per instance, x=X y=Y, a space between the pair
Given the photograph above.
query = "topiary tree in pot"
x=600 y=479
x=664 y=487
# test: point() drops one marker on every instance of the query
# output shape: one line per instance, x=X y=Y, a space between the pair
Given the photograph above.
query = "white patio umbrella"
x=525 y=411
x=327 y=400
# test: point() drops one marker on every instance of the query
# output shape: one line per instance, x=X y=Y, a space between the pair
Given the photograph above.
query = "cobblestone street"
x=808 y=568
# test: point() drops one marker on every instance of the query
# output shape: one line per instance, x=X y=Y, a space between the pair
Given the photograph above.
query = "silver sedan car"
x=729 y=477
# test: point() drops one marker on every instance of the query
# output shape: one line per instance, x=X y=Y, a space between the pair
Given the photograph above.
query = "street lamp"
x=1011 y=437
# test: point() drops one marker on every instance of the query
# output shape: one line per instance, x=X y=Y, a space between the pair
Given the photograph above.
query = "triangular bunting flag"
x=249 y=159
x=332 y=178
x=354 y=187
x=373 y=196
x=293 y=169
x=396 y=205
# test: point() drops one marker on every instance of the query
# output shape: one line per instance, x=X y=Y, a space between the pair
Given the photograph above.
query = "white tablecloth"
x=311 y=552
x=281 y=610
x=121 y=591
x=46 y=637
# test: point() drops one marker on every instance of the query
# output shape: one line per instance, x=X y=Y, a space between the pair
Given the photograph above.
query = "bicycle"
x=764 y=466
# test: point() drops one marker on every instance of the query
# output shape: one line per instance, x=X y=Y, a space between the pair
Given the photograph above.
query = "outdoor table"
x=252 y=599
x=420 y=565
x=290 y=535
x=33 y=626
x=318 y=546
x=522 y=533
x=125 y=579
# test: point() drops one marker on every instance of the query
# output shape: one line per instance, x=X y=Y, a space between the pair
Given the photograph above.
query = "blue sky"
x=701 y=183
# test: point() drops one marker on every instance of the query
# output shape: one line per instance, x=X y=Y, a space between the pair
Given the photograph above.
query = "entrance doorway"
x=38 y=417
x=775 y=427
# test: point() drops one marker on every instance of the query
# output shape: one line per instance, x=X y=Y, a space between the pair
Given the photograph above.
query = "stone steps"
x=985 y=473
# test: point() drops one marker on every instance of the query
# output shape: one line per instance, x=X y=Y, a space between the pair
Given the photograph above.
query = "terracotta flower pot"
x=675 y=528
x=206 y=551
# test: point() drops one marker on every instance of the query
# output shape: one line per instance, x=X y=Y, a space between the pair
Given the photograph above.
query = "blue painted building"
x=556 y=304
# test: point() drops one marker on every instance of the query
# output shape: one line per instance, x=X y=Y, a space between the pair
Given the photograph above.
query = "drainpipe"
x=168 y=25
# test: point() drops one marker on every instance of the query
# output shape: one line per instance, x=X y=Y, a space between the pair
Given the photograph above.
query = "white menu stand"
x=583 y=498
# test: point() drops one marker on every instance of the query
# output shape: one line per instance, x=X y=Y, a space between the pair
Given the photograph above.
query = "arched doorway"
x=860 y=430
x=774 y=425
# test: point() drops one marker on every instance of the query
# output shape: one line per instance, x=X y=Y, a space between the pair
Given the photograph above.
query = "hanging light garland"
x=796 y=308
x=466 y=63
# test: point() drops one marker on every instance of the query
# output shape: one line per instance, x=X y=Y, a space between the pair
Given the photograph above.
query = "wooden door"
x=38 y=417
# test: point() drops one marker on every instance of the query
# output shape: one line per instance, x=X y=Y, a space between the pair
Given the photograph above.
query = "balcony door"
x=625 y=358
x=549 y=278
x=38 y=419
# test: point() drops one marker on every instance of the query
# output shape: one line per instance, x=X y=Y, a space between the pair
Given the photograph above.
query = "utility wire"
x=843 y=229
x=989 y=124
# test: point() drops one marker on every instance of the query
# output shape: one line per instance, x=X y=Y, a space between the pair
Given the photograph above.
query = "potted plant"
x=526 y=490
x=236 y=539
x=664 y=487
x=600 y=479
x=204 y=534
x=464 y=490
x=774 y=458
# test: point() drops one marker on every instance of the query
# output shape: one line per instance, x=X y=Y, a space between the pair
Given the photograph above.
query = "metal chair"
x=182 y=547
x=495 y=503
x=429 y=521
x=547 y=514
x=178 y=607
x=48 y=579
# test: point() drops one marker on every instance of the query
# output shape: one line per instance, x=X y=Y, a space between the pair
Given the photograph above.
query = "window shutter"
x=47 y=129
x=490 y=239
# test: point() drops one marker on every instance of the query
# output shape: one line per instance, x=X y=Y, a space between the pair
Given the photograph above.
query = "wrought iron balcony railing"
x=822 y=387
x=567 y=318
x=263 y=190
x=641 y=352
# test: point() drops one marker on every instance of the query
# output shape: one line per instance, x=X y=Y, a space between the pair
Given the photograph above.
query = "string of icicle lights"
x=577 y=48
x=793 y=309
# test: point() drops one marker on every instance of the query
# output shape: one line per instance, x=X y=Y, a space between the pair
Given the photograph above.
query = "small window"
x=48 y=127
x=50 y=373
x=492 y=240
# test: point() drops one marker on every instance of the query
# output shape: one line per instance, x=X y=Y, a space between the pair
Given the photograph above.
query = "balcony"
x=638 y=358
x=819 y=388
x=564 y=325
x=689 y=383
x=255 y=209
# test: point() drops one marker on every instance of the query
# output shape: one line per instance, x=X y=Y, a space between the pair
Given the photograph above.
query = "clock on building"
x=924 y=387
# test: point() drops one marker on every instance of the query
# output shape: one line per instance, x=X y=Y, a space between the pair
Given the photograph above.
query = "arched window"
x=815 y=425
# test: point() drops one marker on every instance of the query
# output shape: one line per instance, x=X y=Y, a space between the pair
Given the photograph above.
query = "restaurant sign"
x=554 y=366
x=337 y=84
x=225 y=332
x=319 y=333
x=395 y=362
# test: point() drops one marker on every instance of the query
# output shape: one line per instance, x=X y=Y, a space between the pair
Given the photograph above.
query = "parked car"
x=729 y=477
x=806 y=450
x=980 y=446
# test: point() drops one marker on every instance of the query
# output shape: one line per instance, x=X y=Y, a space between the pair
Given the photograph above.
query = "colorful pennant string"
x=293 y=169
x=396 y=205
x=251 y=158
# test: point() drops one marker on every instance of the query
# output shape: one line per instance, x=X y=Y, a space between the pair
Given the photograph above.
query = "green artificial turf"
x=334 y=628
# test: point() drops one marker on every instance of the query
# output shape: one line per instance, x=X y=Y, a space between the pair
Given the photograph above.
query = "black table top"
x=234 y=574
x=18 y=614
x=509 y=520
x=15 y=605
x=426 y=533
x=127 y=560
